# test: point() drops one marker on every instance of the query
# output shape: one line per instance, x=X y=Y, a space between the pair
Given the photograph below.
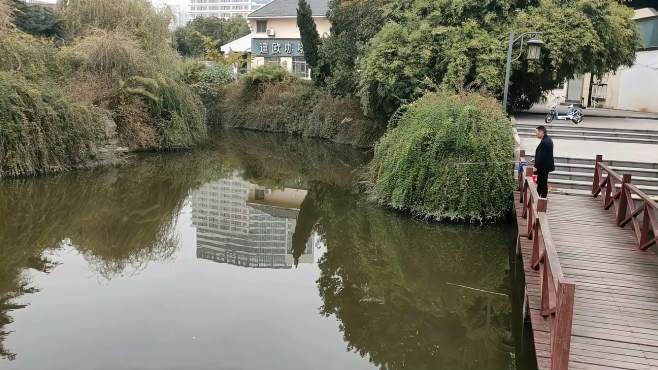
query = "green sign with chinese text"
x=277 y=48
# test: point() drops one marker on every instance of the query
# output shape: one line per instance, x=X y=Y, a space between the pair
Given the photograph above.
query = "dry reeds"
x=6 y=15
x=110 y=52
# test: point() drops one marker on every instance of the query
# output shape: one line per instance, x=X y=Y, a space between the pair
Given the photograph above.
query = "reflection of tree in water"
x=280 y=160
x=122 y=218
x=119 y=219
x=391 y=283
x=384 y=277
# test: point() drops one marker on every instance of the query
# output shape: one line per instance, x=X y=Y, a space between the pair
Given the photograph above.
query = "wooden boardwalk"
x=614 y=319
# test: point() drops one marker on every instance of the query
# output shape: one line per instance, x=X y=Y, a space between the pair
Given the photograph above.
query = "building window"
x=273 y=60
x=261 y=26
x=648 y=33
x=300 y=68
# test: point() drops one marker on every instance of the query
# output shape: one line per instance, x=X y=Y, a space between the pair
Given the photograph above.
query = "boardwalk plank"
x=615 y=323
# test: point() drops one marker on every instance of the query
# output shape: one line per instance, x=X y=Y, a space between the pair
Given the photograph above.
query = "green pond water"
x=255 y=252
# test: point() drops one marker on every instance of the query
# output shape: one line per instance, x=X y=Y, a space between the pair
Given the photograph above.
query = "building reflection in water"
x=243 y=224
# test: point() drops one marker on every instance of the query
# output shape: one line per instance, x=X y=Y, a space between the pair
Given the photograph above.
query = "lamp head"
x=534 y=49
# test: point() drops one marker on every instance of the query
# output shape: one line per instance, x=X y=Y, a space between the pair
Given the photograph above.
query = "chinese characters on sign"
x=277 y=47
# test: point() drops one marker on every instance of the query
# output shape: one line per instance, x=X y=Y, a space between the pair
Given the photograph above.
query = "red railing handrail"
x=550 y=250
x=557 y=291
x=624 y=197
x=642 y=195
x=610 y=171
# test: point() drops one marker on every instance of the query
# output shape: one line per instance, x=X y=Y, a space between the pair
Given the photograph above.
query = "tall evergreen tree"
x=309 y=33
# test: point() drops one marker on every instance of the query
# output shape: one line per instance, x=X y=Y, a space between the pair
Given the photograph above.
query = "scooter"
x=574 y=114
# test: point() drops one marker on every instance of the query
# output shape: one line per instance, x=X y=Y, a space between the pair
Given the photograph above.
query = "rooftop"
x=288 y=8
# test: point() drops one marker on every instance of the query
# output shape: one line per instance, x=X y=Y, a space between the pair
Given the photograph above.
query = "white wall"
x=638 y=85
x=286 y=28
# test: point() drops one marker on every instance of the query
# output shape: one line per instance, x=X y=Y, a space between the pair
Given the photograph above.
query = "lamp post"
x=534 y=52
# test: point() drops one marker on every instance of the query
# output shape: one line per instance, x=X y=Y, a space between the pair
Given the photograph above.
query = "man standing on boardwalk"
x=544 y=161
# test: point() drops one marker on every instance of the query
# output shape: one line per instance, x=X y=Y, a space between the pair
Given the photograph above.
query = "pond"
x=255 y=252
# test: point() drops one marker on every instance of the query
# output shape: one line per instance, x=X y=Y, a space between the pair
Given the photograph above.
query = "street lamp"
x=534 y=52
x=534 y=49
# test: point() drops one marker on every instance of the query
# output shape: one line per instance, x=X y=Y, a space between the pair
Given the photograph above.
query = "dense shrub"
x=268 y=74
x=41 y=131
x=113 y=52
x=180 y=115
x=115 y=80
x=209 y=84
x=145 y=90
x=448 y=158
x=38 y=20
x=34 y=58
x=137 y=17
x=157 y=113
x=296 y=107
x=211 y=80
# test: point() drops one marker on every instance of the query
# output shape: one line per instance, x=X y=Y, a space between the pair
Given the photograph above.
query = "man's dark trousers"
x=542 y=183
x=544 y=164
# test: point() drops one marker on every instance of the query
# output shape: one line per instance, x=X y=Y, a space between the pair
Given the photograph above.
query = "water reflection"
x=402 y=294
x=244 y=224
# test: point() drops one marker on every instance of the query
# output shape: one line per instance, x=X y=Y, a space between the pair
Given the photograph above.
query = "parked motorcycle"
x=574 y=114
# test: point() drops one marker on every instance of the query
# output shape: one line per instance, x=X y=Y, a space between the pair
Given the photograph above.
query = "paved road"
x=589 y=149
x=596 y=122
x=597 y=112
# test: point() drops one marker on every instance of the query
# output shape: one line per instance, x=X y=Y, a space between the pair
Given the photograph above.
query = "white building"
x=275 y=36
x=223 y=8
x=180 y=16
x=632 y=88
x=242 y=224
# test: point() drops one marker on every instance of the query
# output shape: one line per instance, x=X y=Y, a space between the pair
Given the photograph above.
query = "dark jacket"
x=544 y=161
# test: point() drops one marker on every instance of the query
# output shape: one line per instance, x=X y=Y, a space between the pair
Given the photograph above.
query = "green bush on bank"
x=209 y=83
x=42 y=131
x=254 y=81
x=271 y=99
x=449 y=157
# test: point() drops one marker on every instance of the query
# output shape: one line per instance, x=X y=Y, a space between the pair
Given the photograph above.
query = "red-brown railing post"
x=542 y=206
x=608 y=198
x=561 y=333
x=646 y=223
x=548 y=286
x=622 y=204
x=597 y=175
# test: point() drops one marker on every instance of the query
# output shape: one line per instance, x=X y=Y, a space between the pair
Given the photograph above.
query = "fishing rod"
x=482 y=163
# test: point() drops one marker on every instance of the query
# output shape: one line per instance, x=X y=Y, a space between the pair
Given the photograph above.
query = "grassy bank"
x=112 y=81
x=271 y=100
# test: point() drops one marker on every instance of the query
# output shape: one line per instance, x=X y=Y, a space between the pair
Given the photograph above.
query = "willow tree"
x=448 y=158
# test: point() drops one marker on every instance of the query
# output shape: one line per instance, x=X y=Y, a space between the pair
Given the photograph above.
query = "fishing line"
x=476 y=289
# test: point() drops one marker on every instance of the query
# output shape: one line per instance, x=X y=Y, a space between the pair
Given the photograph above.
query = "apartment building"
x=242 y=224
x=224 y=8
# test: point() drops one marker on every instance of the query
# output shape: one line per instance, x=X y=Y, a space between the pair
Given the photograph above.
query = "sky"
x=170 y=2
x=157 y=2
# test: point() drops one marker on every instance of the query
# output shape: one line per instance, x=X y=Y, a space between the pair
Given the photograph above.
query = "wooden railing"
x=631 y=205
x=557 y=291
